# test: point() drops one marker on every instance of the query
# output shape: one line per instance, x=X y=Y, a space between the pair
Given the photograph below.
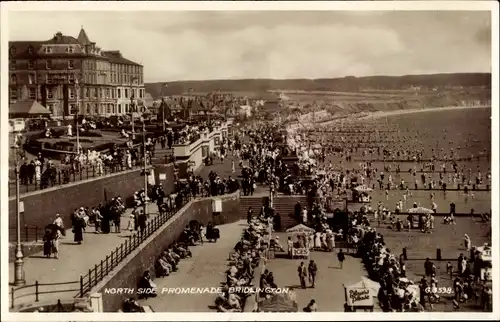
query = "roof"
x=116 y=57
x=83 y=38
x=31 y=107
x=60 y=39
x=23 y=46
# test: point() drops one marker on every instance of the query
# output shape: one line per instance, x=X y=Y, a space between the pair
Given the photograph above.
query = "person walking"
x=302 y=274
x=341 y=258
x=313 y=269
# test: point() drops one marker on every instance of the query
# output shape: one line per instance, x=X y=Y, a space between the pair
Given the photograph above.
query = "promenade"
x=206 y=268
x=74 y=260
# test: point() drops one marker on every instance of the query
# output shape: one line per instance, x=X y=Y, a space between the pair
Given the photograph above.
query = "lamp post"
x=145 y=165
x=132 y=104
x=19 y=262
x=77 y=112
x=163 y=106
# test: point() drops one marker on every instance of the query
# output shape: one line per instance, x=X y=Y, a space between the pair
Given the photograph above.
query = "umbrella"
x=363 y=188
x=420 y=210
x=300 y=228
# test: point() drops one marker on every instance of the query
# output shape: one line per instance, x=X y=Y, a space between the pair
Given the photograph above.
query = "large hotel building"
x=66 y=74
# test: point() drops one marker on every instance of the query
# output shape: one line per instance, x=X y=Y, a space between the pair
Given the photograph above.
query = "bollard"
x=405 y=255
x=438 y=254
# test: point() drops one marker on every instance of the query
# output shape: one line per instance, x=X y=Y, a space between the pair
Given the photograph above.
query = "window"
x=13 y=50
x=50 y=95
x=50 y=107
x=48 y=50
x=31 y=64
x=69 y=49
x=71 y=93
x=31 y=78
x=12 y=65
x=87 y=92
x=107 y=92
x=73 y=109
x=119 y=93
x=96 y=109
x=49 y=79
x=71 y=78
x=126 y=93
x=95 y=92
x=32 y=93
x=13 y=93
x=109 y=108
x=126 y=108
x=48 y=64
x=13 y=79
x=141 y=93
x=71 y=64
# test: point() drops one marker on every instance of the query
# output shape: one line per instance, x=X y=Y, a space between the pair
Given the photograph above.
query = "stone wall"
x=127 y=274
x=41 y=206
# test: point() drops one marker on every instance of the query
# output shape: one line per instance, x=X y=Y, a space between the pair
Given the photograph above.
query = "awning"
x=28 y=108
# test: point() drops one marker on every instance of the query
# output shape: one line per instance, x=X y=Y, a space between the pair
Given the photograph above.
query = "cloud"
x=215 y=45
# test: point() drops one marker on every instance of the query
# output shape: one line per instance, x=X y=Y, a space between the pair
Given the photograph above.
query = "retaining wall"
x=128 y=273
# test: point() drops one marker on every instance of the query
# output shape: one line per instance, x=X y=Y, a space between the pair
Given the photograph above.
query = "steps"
x=250 y=201
x=285 y=206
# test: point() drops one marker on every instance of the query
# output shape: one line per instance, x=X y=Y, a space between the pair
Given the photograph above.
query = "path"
x=205 y=269
x=74 y=260
x=329 y=291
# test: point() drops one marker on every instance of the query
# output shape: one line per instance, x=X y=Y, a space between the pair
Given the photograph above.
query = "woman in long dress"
x=467 y=242
x=330 y=238
x=78 y=230
x=311 y=241
x=317 y=240
x=38 y=171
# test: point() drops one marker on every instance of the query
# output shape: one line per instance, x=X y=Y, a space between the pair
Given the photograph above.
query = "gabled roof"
x=83 y=38
x=30 y=107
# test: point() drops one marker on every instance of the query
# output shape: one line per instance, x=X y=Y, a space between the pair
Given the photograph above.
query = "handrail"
x=37 y=292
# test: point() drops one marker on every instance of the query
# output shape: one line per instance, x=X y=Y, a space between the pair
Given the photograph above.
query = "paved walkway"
x=329 y=291
x=74 y=260
x=206 y=268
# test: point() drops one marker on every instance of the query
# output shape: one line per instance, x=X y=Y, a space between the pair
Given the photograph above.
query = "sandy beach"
x=380 y=114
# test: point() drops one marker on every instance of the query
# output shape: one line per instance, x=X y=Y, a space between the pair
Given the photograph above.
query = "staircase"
x=285 y=206
x=163 y=156
x=255 y=202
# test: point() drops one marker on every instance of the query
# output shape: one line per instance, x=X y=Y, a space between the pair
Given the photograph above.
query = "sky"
x=199 y=45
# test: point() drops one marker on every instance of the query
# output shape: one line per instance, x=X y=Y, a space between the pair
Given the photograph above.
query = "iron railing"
x=68 y=175
x=28 y=234
x=105 y=266
x=37 y=289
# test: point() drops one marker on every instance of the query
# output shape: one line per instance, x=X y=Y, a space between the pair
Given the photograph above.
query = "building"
x=68 y=74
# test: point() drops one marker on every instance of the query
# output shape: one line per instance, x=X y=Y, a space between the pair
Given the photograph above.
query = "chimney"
x=58 y=35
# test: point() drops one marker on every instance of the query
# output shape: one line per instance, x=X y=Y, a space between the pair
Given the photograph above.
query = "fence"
x=28 y=233
x=102 y=269
x=34 y=290
x=68 y=175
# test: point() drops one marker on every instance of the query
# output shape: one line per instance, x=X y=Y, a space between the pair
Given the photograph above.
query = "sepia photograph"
x=169 y=159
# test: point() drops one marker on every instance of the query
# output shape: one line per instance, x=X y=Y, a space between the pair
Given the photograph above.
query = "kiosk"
x=300 y=231
x=360 y=296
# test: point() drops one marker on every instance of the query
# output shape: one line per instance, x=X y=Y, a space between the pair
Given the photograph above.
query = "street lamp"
x=163 y=107
x=19 y=262
x=145 y=165
x=132 y=104
x=77 y=111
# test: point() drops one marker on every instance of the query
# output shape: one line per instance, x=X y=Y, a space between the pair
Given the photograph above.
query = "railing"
x=34 y=290
x=66 y=176
x=104 y=267
x=28 y=233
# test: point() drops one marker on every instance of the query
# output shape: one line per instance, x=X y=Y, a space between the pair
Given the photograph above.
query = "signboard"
x=486 y=274
x=358 y=296
x=163 y=176
x=300 y=252
x=21 y=206
x=216 y=205
x=336 y=204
